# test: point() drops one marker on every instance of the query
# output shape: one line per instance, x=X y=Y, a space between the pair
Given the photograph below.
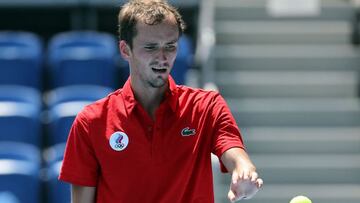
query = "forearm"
x=245 y=181
x=237 y=158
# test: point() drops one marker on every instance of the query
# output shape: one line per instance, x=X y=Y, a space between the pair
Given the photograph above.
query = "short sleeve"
x=226 y=132
x=80 y=166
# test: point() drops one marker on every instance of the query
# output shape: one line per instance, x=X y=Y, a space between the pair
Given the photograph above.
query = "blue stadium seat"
x=64 y=103
x=19 y=171
x=61 y=119
x=21 y=57
x=184 y=60
x=76 y=93
x=54 y=153
x=8 y=197
x=82 y=57
x=20 y=109
x=21 y=94
x=57 y=191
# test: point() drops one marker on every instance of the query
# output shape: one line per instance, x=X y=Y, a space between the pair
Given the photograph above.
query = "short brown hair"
x=151 y=12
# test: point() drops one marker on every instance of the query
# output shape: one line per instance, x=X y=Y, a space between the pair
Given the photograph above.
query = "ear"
x=125 y=50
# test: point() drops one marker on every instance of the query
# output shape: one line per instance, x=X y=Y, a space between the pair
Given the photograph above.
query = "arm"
x=82 y=194
x=244 y=180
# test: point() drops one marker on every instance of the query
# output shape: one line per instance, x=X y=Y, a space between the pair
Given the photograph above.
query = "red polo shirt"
x=116 y=146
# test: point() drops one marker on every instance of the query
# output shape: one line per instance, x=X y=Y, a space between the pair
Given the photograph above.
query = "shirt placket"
x=158 y=129
x=153 y=130
x=147 y=124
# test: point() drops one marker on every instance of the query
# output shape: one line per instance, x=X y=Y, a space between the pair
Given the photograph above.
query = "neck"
x=149 y=97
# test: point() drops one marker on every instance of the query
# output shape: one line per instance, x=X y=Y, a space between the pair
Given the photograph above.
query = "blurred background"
x=289 y=70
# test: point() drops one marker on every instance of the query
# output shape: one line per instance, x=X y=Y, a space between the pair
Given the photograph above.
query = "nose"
x=163 y=54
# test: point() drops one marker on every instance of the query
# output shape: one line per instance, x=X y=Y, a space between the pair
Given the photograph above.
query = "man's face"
x=153 y=53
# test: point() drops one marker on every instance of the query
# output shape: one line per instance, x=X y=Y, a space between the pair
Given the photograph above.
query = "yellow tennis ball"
x=300 y=199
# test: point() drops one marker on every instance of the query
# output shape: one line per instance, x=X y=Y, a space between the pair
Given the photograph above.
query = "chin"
x=159 y=82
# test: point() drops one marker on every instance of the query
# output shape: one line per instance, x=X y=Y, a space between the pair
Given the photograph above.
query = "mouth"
x=159 y=69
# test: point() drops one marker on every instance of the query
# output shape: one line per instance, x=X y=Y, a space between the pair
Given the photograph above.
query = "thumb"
x=231 y=195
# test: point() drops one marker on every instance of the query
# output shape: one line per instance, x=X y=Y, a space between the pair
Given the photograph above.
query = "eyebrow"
x=154 y=43
x=150 y=44
x=173 y=41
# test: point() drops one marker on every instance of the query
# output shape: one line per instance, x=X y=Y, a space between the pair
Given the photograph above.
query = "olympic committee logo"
x=119 y=141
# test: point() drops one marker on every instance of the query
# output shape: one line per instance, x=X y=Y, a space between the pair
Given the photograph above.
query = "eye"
x=150 y=48
x=170 y=47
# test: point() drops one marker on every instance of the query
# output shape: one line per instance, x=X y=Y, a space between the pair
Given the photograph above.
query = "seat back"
x=65 y=103
x=58 y=191
x=20 y=109
x=19 y=171
x=82 y=57
x=21 y=57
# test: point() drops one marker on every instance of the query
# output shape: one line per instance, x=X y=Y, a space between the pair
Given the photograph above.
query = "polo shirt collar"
x=171 y=95
x=128 y=95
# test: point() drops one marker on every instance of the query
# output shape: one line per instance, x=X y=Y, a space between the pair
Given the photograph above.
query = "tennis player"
x=151 y=141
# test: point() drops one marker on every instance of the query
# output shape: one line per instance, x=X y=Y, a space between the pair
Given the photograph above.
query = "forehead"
x=165 y=30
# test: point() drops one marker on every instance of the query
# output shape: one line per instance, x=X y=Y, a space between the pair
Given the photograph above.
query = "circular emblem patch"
x=119 y=141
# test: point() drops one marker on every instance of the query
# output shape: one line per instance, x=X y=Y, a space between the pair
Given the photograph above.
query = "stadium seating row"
x=82 y=67
x=22 y=178
x=72 y=58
